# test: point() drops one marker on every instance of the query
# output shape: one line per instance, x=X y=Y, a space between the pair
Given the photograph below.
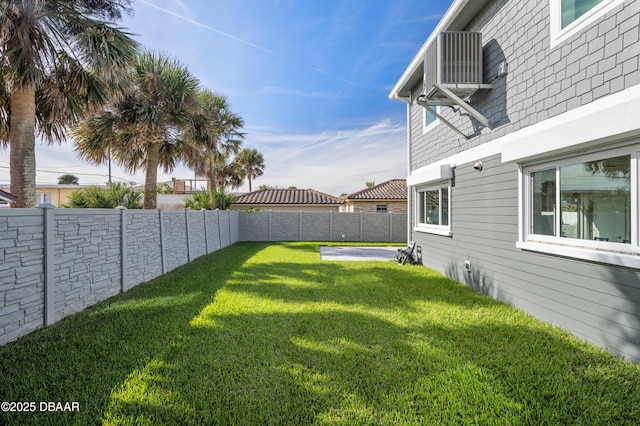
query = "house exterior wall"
x=542 y=82
x=355 y=206
x=596 y=301
x=59 y=193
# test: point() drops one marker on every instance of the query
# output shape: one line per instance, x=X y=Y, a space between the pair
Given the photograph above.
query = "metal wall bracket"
x=464 y=105
x=441 y=95
x=444 y=120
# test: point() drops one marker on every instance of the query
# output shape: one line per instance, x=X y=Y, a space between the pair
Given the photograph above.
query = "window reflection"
x=544 y=202
x=596 y=200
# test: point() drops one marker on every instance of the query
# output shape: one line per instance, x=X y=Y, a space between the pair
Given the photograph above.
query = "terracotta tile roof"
x=395 y=189
x=287 y=196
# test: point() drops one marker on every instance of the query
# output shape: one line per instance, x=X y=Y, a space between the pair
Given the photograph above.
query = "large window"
x=433 y=209
x=588 y=202
x=569 y=17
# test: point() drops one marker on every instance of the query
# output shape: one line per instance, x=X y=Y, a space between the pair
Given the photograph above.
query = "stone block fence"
x=56 y=262
x=323 y=226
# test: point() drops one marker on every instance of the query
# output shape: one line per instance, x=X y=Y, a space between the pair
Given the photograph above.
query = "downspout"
x=408 y=101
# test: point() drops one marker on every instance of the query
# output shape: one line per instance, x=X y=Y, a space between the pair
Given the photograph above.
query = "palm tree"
x=141 y=127
x=228 y=174
x=213 y=136
x=252 y=163
x=57 y=59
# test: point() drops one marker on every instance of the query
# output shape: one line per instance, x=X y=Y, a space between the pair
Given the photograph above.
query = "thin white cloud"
x=422 y=19
x=334 y=162
x=277 y=90
x=248 y=43
x=212 y=29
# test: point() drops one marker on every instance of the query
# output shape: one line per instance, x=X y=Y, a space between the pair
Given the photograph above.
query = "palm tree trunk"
x=151 y=177
x=212 y=172
x=22 y=139
x=249 y=179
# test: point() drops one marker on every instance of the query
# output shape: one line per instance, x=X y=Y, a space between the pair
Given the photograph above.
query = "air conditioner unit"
x=453 y=61
x=453 y=72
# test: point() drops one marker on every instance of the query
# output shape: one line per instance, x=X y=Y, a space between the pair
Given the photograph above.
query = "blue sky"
x=309 y=77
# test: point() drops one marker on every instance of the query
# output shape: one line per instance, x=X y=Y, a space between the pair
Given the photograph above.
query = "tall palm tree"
x=142 y=125
x=213 y=136
x=57 y=59
x=228 y=174
x=252 y=163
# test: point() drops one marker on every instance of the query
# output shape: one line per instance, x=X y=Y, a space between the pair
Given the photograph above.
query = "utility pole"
x=109 y=157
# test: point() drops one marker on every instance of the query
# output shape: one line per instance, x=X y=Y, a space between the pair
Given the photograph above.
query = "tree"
x=228 y=174
x=57 y=60
x=68 y=180
x=212 y=138
x=141 y=126
x=252 y=163
x=370 y=184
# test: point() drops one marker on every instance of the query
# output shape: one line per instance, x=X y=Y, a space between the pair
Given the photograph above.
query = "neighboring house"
x=524 y=159
x=187 y=186
x=387 y=197
x=6 y=199
x=287 y=200
x=55 y=194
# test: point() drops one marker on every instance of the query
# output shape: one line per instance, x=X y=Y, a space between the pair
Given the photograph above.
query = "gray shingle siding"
x=542 y=81
x=597 y=302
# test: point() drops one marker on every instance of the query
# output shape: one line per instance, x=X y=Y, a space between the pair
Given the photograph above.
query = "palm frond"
x=95 y=138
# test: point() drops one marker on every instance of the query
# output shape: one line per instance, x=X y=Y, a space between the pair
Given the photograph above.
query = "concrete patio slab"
x=358 y=253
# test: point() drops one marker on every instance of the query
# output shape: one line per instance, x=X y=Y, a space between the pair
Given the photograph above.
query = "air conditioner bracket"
x=441 y=95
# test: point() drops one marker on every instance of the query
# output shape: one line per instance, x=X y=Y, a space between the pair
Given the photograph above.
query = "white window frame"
x=559 y=34
x=617 y=253
x=444 y=230
x=427 y=128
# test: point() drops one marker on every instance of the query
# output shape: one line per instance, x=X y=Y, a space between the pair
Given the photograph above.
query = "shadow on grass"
x=295 y=343
x=362 y=283
x=277 y=341
x=349 y=368
x=84 y=357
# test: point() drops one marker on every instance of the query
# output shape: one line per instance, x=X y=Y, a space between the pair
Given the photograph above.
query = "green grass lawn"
x=268 y=334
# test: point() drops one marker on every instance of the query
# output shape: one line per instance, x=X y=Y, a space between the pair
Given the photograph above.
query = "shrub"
x=208 y=200
x=95 y=197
